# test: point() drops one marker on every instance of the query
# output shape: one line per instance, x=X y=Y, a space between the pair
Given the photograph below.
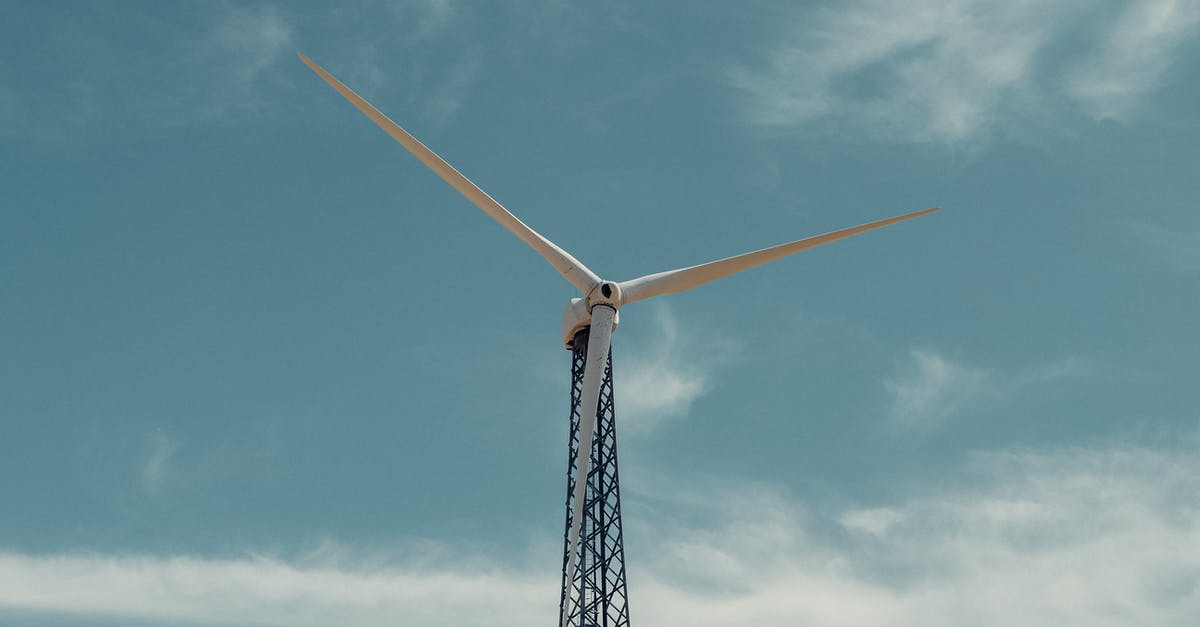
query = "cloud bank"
x=1107 y=535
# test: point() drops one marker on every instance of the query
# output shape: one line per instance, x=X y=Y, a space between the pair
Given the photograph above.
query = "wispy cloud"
x=244 y=46
x=265 y=591
x=875 y=521
x=1083 y=536
x=952 y=72
x=160 y=74
x=930 y=388
x=430 y=57
x=1176 y=248
x=448 y=95
x=157 y=464
x=659 y=379
x=1135 y=51
x=1066 y=368
x=430 y=16
x=230 y=62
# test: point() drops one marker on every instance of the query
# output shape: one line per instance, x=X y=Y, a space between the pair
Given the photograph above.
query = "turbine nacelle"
x=578 y=315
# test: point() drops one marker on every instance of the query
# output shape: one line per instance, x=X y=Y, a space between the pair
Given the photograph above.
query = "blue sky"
x=261 y=367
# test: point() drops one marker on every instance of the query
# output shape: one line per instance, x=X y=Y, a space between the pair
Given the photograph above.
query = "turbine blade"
x=574 y=271
x=675 y=281
x=599 y=339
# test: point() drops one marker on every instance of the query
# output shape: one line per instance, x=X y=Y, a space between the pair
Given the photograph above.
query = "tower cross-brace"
x=597 y=595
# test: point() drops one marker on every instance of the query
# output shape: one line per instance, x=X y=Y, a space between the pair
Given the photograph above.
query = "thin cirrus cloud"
x=660 y=378
x=157 y=466
x=952 y=72
x=1134 y=54
x=448 y=96
x=931 y=388
x=1174 y=248
x=1080 y=536
x=244 y=46
x=232 y=62
x=428 y=59
x=164 y=74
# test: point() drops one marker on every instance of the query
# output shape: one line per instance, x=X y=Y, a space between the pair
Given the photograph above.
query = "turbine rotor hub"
x=604 y=293
x=578 y=315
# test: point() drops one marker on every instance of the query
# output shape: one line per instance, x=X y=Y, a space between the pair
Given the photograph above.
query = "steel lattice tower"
x=597 y=596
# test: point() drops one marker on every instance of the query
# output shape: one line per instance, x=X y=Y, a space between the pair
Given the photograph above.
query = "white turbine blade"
x=599 y=338
x=675 y=281
x=574 y=271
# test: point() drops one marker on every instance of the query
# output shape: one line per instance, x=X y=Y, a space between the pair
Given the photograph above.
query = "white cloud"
x=875 y=520
x=159 y=74
x=226 y=67
x=448 y=95
x=263 y=591
x=233 y=61
x=952 y=71
x=931 y=388
x=240 y=52
x=430 y=16
x=157 y=465
x=429 y=57
x=660 y=379
x=1071 y=537
x=1177 y=248
x=1134 y=54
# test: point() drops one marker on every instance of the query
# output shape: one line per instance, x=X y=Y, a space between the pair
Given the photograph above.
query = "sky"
x=258 y=366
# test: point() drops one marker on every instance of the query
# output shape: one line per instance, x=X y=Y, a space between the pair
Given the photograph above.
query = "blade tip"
x=307 y=61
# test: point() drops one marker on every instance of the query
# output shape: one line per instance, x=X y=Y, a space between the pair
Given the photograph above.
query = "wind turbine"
x=594 y=316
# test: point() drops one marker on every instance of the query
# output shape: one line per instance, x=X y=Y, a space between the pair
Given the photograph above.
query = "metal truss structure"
x=596 y=597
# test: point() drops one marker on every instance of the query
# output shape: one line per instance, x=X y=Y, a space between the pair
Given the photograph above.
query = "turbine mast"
x=595 y=592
